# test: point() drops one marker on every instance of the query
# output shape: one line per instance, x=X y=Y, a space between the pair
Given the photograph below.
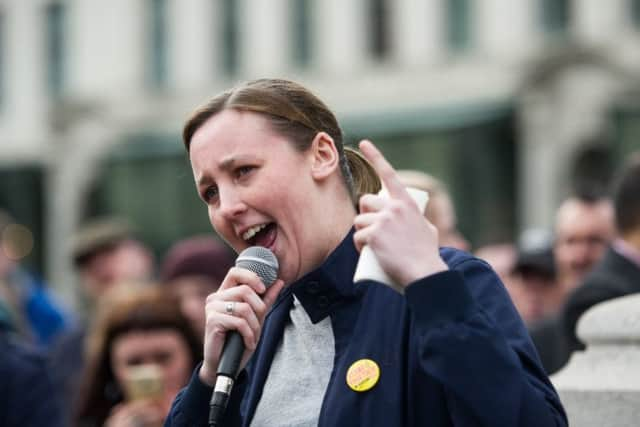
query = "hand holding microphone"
x=235 y=314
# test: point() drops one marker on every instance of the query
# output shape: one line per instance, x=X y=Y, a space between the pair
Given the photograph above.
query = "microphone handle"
x=228 y=367
x=231 y=356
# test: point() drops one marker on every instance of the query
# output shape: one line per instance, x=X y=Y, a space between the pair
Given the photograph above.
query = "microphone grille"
x=261 y=261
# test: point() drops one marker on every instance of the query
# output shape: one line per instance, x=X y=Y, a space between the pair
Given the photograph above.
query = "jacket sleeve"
x=191 y=406
x=471 y=339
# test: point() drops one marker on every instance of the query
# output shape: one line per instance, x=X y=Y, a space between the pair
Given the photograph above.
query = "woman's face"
x=259 y=190
x=165 y=348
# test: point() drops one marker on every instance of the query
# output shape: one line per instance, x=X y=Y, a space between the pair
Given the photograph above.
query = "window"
x=555 y=16
x=379 y=29
x=458 y=22
x=229 y=23
x=55 y=43
x=635 y=14
x=158 y=29
x=301 y=17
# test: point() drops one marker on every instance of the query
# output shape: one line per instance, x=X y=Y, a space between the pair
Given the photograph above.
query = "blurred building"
x=510 y=102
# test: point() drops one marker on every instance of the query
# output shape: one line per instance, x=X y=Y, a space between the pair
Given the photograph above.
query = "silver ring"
x=230 y=307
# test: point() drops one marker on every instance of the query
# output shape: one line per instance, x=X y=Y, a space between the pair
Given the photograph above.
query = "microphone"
x=264 y=263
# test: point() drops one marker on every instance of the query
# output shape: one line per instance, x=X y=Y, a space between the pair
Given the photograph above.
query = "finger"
x=238 y=293
x=384 y=169
x=237 y=276
x=371 y=203
x=363 y=237
x=229 y=322
x=240 y=309
x=272 y=293
x=365 y=220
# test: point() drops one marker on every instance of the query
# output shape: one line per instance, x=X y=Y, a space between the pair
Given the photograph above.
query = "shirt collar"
x=626 y=250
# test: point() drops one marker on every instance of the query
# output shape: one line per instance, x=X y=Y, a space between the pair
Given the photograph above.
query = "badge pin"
x=362 y=375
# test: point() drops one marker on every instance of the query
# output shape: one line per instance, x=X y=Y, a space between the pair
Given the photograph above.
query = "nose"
x=231 y=204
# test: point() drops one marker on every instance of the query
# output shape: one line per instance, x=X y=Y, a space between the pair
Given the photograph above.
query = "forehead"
x=228 y=135
x=133 y=343
x=578 y=217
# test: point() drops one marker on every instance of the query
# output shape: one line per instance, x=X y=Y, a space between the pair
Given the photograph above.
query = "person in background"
x=534 y=273
x=141 y=352
x=584 y=227
x=28 y=397
x=583 y=230
x=36 y=314
x=444 y=347
x=615 y=275
x=192 y=269
x=439 y=211
x=106 y=255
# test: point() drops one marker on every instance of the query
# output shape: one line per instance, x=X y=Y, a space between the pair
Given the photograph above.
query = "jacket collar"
x=322 y=290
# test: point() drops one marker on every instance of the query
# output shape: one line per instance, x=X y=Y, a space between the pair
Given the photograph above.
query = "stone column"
x=598 y=23
x=506 y=29
x=417 y=36
x=25 y=89
x=192 y=44
x=266 y=49
x=600 y=387
x=340 y=36
x=109 y=47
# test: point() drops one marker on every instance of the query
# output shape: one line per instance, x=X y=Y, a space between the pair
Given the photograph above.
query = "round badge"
x=363 y=374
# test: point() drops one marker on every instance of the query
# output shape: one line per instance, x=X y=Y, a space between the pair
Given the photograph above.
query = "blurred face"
x=583 y=232
x=444 y=219
x=165 y=348
x=259 y=190
x=536 y=296
x=192 y=292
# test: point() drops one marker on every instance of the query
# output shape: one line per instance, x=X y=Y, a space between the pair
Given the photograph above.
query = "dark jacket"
x=614 y=276
x=451 y=351
x=27 y=395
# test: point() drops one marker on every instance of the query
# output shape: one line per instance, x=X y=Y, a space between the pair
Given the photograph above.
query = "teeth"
x=252 y=231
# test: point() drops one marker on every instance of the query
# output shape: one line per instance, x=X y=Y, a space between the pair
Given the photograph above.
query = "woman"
x=268 y=161
x=140 y=353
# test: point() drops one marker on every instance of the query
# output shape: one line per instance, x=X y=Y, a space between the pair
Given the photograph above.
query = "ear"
x=324 y=156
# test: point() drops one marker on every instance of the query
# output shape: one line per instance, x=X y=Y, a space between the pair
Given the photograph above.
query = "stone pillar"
x=600 y=387
x=192 y=44
x=340 y=36
x=109 y=47
x=25 y=89
x=506 y=29
x=596 y=23
x=266 y=47
x=417 y=36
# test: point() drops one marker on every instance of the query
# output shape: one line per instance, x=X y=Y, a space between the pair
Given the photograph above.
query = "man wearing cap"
x=534 y=274
x=105 y=254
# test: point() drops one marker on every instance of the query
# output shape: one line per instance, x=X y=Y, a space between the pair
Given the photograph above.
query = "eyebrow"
x=225 y=165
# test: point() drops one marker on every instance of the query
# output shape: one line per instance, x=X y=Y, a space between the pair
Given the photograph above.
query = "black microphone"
x=265 y=264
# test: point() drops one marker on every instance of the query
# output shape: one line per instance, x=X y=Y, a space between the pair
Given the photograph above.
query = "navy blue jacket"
x=452 y=351
x=27 y=395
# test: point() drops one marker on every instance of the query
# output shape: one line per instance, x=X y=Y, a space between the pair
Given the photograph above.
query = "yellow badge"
x=363 y=374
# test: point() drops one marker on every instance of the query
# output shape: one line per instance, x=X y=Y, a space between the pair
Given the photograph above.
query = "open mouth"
x=261 y=235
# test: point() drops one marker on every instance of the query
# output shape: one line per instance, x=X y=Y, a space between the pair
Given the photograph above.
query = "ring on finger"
x=230 y=307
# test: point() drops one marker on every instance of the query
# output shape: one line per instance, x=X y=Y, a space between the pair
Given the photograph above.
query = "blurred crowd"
x=121 y=359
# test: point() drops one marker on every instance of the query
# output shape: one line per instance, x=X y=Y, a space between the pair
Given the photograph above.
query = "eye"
x=243 y=170
x=209 y=194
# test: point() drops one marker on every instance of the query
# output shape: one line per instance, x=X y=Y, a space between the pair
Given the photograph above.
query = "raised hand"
x=405 y=243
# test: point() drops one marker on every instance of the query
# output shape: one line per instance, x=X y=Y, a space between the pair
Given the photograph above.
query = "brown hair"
x=124 y=310
x=626 y=197
x=296 y=113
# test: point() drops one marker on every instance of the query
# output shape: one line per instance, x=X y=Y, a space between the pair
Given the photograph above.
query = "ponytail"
x=364 y=178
